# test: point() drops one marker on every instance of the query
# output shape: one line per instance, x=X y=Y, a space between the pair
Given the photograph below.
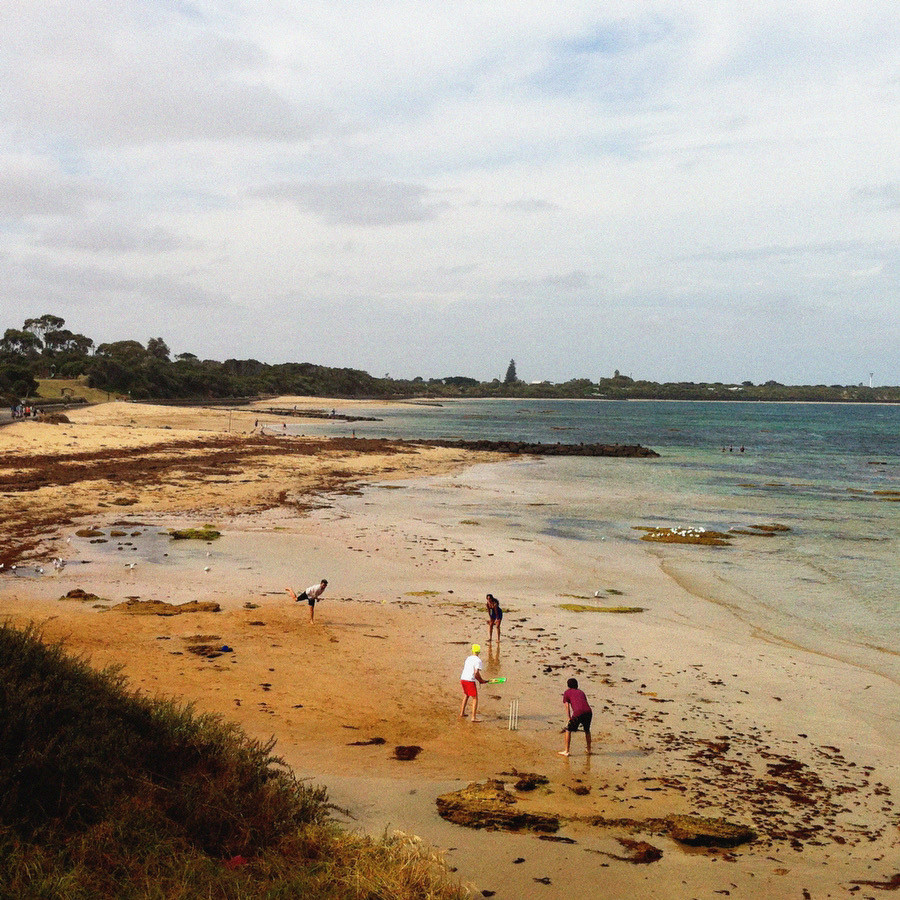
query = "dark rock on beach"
x=527 y=781
x=702 y=832
x=696 y=831
x=490 y=806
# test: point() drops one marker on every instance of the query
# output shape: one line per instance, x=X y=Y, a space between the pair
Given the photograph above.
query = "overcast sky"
x=700 y=191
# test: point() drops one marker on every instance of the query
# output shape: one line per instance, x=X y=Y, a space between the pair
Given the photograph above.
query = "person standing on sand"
x=311 y=594
x=495 y=616
x=579 y=712
x=470 y=679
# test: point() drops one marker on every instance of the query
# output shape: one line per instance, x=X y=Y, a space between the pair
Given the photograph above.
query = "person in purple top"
x=579 y=712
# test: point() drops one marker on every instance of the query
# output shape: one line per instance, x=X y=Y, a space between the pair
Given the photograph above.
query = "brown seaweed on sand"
x=81 y=595
x=407 y=753
x=638 y=852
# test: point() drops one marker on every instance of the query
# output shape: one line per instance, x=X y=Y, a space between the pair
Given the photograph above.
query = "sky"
x=681 y=191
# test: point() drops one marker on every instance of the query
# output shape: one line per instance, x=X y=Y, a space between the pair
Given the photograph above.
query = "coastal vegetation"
x=43 y=360
x=106 y=793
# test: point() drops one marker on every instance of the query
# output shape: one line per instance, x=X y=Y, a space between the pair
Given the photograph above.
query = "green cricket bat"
x=497 y=681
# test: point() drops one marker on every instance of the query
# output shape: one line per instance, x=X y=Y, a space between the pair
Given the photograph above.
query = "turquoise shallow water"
x=828 y=471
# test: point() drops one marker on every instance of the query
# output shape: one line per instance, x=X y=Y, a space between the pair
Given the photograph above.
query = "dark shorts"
x=496 y=616
x=577 y=722
x=310 y=600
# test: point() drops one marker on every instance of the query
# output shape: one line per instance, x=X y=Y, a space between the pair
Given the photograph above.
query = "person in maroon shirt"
x=579 y=712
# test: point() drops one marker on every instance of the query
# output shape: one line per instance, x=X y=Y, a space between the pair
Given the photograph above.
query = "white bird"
x=130 y=565
x=206 y=568
x=40 y=570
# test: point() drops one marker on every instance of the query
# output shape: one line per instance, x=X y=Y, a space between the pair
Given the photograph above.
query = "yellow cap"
x=476 y=648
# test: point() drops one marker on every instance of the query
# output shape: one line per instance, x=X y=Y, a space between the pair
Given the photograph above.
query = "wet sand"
x=695 y=711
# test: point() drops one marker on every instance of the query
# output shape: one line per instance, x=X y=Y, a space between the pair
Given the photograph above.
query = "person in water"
x=495 y=616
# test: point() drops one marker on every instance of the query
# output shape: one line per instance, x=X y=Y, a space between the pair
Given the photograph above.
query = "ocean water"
x=830 y=472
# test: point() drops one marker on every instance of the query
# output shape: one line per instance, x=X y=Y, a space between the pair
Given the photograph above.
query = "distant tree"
x=460 y=381
x=20 y=343
x=66 y=342
x=510 y=377
x=157 y=347
x=130 y=351
x=44 y=324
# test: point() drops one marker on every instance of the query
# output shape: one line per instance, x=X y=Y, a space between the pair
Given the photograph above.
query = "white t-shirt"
x=473 y=665
x=314 y=591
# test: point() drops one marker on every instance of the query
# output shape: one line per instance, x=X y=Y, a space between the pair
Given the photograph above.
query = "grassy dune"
x=106 y=793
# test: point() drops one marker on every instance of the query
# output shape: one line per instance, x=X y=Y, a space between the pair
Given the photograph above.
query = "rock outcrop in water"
x=539 y=449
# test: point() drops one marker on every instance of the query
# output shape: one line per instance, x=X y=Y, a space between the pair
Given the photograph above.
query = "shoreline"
x=409 y=576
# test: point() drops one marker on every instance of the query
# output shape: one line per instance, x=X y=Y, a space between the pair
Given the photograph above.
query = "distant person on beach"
x=310 y=595
x=579 y=712
x=495 y=616
x=470 y=679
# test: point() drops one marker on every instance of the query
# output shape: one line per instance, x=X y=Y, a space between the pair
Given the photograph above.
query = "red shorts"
x=470 y=689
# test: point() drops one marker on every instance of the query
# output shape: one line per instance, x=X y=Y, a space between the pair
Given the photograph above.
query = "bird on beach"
x=130 y=565
x=206 y=568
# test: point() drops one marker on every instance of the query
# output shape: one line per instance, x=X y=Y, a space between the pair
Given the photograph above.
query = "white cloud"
x=365 y=202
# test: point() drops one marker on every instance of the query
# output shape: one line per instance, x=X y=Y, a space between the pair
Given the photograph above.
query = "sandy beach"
x=696 y=709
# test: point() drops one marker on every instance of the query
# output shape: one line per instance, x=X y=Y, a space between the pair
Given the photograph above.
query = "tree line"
x=44 y=348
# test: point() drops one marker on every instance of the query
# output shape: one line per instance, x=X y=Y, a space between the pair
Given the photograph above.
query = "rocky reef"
x=539 y=449
x=490 y=805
